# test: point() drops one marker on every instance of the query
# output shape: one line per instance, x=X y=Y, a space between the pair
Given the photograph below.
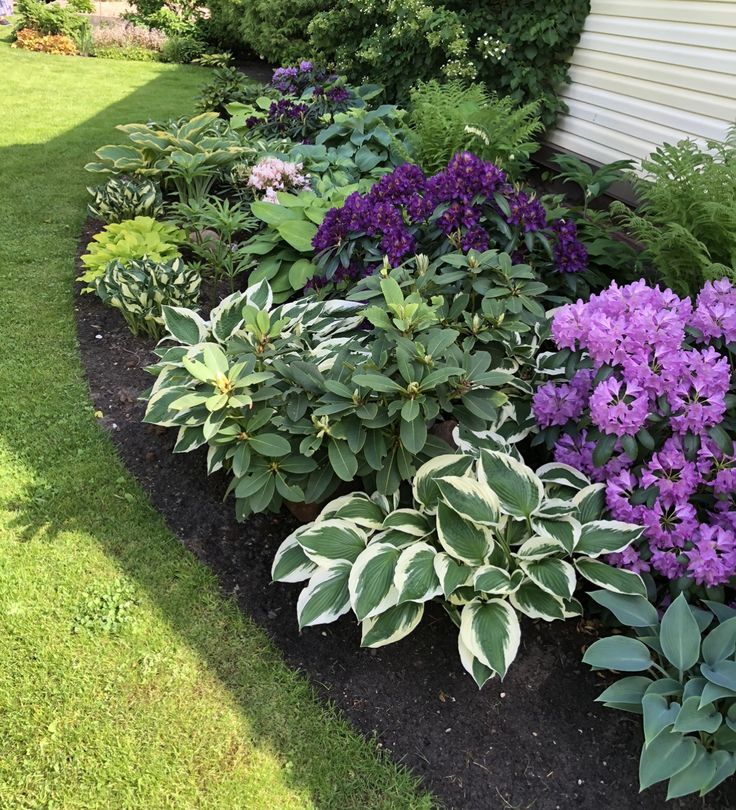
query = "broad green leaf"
x=415 y=578
x=332 y=539
x=610 y=578
x=606 y=536
x=342 y=459
x=720 y=643
x=273 y=214
x=722 y=674
x=470 y=498
x=326 y=596
x=679 y=635
x=713 y=692
x=391 y=625
x=666 y=755
x=692 y=718
x=618 y=653
x=491 y=632
x=519 y=490
x=535 y=603
x=725 y=763
x=270 y=445
x=659 y=714
x=630 y=610
x=298 y=234
x=371 y=581
x=557 y=577
x=629 y=690
x=291 y=564
x=464 y=540
x=693 y=778
x=424 y=486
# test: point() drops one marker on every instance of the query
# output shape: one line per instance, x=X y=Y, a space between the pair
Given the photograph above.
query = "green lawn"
x=126 y=679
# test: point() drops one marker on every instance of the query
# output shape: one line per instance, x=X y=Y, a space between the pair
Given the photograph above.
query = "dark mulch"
x=537 y=740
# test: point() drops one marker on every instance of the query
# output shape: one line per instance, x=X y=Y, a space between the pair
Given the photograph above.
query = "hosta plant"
x=685 y=689
x=123 y=198
x=142 y=237
x=139 y=289
x=488 y=538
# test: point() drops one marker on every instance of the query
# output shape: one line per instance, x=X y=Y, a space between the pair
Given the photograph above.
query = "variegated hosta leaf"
x=189 y=438
x=415 y=578
x=371 y=582
x=537 y=548
x=606 y=536
x=590 y=503
x=184 y=325
x=490 y=631
x=391 y=625
x=227 y=317
x=557 y=577
x=536 y=603
x=480 y=672
x=556 y=508
x=409 y=521
x=356 y=507
x=462 y=539
x=326 y=597
x=519 y=490
x=394 y=537
x=424 y=486
x=572 y=608
x=291 y=564
x=492 y=579
x=259 y=295
x=451 y=573
x=610 y=578
x=566 y=530
x=471 y=499
x=333 y=539
x=563 y=475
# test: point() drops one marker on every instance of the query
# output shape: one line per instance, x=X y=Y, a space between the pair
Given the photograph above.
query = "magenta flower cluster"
x=656 y=373
x=460 y=208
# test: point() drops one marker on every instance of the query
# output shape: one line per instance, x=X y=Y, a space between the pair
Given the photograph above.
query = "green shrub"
x=175 y=17
x=450 y=117
x=133 y=239
x=52 y=19
x=128 y=53
x=228 y=85
x=182 y=49
x=121 y=198
x=140 y=288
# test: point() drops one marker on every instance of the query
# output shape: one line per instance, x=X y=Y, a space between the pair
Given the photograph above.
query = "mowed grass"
x=126 y=679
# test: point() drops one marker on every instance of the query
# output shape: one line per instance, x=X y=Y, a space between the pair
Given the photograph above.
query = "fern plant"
x=686 y=219
x=449 y=117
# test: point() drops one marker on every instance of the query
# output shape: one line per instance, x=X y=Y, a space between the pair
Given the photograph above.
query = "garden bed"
x=536 y=740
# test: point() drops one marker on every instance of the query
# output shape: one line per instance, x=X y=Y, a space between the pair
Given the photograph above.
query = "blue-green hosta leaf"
x=491 y=632
x=519 y=490
x=618 y=653
x=562 y=474
x=424 y=486
x=692 y=718
x=720 y=611
x=610 y=578
x=291 y=564
x=536 y=603
x=492 y=579
x=451 y=573
x=357 y=508
x=332 y=539
x=666 y=755
x=632 y=611
x=725 y=763
x=557 y=577
x=590 y=503
x=184 y=325
x=606 y=536
x=693 y=778
x=680 y=635
x=415 y=578
x=659 y=714
x=326 y=596
x=628 y=691
x=371 y=581
x=720 y=643
x=712 y=692
x=409 y=521
x=480 y=673
x=471 y=499
x=466 y=541
x=391 y=625
x=722 y=674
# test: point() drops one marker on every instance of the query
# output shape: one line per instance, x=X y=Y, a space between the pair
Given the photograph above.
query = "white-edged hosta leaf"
x=566 y=530
x=409 y=521
x=555 y=508
x=562 y=474
x=326 y=596
x=291 y=564
x=424 y=486
x=371 y=580
x=332 y=539
x=519 y=490
x=464 y=540
x=184 y=325
x=470 y=498
x=610 y=578
x=394 y=537
x=451 y=573
x=415 y=578
x=557 y=577
x=391 y=625
x=491 y=632
x=572 y=608
x=480 y=673
x=606 y=536
x=537 y=548
x=535 y=603
x=492 y=579
x=356 y=507
x=590 y=503
x=227 y=317
x=189 y=438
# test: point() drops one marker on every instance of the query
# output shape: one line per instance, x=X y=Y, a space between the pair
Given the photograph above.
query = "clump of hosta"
x=139 y=289
x=120 y=199
x=488 y=538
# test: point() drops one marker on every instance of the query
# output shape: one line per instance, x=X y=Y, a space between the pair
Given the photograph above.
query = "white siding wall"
x=648 y=72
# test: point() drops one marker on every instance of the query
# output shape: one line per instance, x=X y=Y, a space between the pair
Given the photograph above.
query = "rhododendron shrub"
x=645 y=401
x=471 y=205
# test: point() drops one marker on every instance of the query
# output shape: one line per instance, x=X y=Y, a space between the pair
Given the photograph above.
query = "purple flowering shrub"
x=645 y=402
x=471 y=205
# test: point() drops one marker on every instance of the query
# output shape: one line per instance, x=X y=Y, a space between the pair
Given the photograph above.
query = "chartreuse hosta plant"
x=488 y=538
x=686 y=691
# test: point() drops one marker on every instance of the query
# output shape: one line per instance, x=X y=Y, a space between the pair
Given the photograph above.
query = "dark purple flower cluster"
x=406 y=211
x=294 y=80
x=344 y=276
x=669 y=383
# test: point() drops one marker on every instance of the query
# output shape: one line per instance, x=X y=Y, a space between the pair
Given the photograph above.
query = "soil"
x=537 y=740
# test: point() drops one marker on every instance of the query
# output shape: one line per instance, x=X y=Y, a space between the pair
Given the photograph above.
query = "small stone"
x=98 y=337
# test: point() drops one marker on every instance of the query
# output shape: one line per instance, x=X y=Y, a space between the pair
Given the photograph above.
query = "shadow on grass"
x=77 y=485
